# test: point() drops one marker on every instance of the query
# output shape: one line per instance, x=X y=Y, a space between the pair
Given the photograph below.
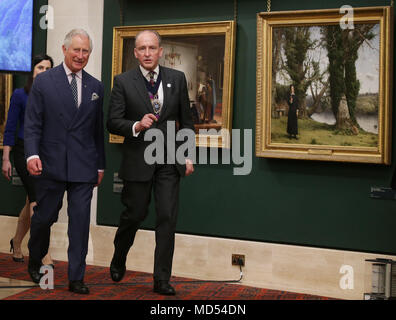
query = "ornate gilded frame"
x=5 y=96
x=266 y=145
x=206 y=33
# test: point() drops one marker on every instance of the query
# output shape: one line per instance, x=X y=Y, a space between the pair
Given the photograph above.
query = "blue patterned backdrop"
x=16 y=18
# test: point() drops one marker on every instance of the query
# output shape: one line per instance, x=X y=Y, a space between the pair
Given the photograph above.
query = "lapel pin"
x=169 y=85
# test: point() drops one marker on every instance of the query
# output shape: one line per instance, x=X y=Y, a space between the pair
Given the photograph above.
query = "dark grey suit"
x=129 y=102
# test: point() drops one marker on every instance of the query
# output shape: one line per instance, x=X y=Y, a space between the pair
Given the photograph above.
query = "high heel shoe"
x=12 y=250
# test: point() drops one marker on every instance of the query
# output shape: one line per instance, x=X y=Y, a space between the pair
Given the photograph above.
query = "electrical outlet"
x=238 y=260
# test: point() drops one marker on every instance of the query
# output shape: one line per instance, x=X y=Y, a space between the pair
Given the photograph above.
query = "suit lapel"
x=166 y=90
x=85 y=90
x=138 y=81
x=67 y=106
x=85 y=97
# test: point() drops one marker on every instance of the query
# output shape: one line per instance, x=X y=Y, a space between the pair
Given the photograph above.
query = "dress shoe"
x=116 y=272
x=16 y=259
x=78 y=287
x=163 y=287
x=34 y=272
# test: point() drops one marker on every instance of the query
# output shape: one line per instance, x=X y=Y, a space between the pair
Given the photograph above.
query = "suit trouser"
x=136 y=198
x=49 y=201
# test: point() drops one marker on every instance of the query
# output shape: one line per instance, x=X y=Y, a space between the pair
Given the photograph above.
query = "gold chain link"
x=269 y=5
x=235 y=10
x=121 y=3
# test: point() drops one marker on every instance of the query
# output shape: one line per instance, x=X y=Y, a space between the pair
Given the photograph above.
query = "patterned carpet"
x=135 y=286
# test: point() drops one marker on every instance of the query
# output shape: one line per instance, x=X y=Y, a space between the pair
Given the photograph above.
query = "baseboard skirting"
x=325 y=272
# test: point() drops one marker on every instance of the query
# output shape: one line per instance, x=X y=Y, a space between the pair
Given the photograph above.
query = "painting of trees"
x=297 y=65
x=322 y=63
x=325 y=84
x=342 y=46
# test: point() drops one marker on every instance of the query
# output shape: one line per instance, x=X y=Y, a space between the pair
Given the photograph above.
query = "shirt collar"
x=69 y=72
x=145 y=71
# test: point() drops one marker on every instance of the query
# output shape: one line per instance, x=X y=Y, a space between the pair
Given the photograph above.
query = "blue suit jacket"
x=68 y=140
x=15 y=117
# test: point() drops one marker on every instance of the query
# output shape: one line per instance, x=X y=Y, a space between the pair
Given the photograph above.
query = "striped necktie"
x=151 y=75
x=73 y=85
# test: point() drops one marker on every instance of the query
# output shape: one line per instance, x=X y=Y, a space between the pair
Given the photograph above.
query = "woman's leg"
x=22 y=228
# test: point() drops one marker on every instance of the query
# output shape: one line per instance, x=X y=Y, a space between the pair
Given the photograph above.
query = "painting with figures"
x=204 y=52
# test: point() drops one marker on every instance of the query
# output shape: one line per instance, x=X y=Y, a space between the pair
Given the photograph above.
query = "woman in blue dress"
x=13 y=140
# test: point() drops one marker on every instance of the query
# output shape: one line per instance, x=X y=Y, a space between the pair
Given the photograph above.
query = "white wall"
x=67 y=15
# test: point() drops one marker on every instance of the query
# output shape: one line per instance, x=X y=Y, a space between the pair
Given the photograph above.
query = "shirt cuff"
x=133 y=129
x=100 y=170
x=32 y=157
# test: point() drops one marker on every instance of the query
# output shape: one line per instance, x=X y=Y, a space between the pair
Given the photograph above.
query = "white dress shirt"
x=78 y=80
x=160 y=91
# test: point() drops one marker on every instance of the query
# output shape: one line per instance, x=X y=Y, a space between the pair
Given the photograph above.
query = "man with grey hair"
x=77 y=32
x=155 y=33
x=64 y=147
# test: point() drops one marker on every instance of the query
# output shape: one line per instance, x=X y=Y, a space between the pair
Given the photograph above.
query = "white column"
x=67 y=15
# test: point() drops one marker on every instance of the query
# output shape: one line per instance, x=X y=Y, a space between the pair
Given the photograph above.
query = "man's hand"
x=100 y=177
x=34 y=166
x=6 y=169
x=146 y=122
x=189 y=167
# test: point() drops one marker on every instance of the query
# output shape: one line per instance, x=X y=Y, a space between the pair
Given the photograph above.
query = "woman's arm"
x=6 y=167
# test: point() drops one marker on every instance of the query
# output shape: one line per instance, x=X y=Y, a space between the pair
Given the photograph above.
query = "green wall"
x=321 y=204
x=13 y=197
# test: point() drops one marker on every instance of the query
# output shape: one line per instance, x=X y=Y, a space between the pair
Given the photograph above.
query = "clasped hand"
x=34 y=166
x=146 y=122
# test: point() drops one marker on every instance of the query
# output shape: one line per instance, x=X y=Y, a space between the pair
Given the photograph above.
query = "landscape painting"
x=324 y=89
x=335 y=75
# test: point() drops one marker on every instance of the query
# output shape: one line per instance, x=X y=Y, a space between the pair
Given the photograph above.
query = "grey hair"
x=77 y=32
x=152 y=31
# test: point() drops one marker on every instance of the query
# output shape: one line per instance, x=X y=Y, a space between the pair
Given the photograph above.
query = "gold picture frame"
x=321 y=121
x=5 y=96
x=205 y=53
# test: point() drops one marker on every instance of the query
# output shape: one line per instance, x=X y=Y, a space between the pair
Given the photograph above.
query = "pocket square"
x=94 y=96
